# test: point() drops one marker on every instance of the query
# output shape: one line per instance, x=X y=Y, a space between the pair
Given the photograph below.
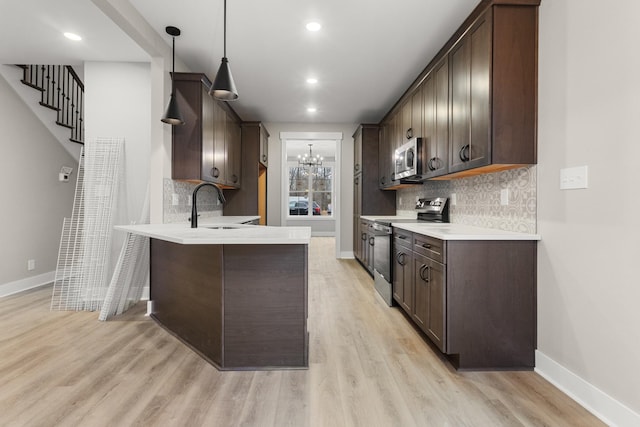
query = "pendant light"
x=223 y=87
x=172 y=115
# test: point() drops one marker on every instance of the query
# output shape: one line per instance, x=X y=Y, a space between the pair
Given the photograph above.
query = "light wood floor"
x=368 y=367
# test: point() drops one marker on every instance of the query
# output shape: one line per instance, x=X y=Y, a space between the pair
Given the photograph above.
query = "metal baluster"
x=62 y=95
x=55 y=81
x=65 y=93
x=48 y=88
x=74 y=88
x=68 y=97
x=41 y=79
x=81 y=117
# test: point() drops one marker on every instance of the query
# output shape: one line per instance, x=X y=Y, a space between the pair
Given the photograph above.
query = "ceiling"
x=364 y=57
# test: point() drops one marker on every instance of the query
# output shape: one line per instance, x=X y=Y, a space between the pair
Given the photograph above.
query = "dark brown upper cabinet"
x=264 y=148
x=479 y=95
x=493 y=83
x=417 y=119
x=470 y=60
x=251 y=198
x=366 y=152
x=436 y=121
x=207 y=146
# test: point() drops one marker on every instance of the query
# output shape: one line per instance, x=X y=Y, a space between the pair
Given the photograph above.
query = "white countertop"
x=388 y=217
x=452 y=231
x=240 y=234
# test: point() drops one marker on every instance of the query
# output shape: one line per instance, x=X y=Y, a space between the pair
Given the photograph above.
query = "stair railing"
x=62 y=91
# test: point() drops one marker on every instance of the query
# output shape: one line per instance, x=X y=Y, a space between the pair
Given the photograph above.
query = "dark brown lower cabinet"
x=365 y=245
x=430 y=298
x=403 y=283
x=475 y=300
x=241 y=307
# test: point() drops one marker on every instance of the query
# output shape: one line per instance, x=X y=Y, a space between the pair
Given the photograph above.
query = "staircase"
x=62 y=91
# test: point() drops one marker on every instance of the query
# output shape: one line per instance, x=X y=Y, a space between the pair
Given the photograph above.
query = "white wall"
x=34 y=201
x=588 y=286
x=118 y=104
x=345 y=170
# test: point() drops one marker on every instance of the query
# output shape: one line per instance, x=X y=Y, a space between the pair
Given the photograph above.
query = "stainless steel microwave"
x=408 y=160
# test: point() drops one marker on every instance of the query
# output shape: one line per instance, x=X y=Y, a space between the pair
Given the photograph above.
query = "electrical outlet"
x=400 y=201
x=175 y=200
x=504 y=196
x=31 y=264
x=453 y=199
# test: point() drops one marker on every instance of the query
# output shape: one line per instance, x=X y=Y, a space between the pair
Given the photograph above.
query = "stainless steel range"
x=429 y=210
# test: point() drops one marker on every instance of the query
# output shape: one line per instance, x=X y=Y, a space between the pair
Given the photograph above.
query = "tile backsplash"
x=208 y=205
x=478 y=199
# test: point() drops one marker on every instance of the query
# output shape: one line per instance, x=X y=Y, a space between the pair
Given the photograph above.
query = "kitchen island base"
x=241 y=307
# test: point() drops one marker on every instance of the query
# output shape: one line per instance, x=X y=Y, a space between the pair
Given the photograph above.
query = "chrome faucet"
x=194 y=208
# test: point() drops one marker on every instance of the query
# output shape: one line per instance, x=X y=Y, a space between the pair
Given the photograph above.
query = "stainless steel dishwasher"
x=382 y=260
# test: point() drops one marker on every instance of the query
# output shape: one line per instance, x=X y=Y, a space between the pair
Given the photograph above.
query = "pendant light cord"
x=225 y=28
x=173 y=64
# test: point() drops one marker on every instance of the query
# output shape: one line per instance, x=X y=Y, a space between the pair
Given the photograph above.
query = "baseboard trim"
x=600 y=404
x=347 y=255
x=323 y=234
x=11 y=288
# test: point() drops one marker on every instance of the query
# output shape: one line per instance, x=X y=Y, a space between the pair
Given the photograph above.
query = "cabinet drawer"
x=402 y=238
x=430 y=247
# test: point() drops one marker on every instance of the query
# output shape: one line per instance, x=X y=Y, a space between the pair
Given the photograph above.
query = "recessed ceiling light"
x=314 y=26
x=72 y=36
x=312 y=110
x=312 y=80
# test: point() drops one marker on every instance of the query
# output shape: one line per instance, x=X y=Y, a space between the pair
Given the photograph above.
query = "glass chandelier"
x=309 y=160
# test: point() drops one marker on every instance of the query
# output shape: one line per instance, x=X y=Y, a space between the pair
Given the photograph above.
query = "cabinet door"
x=406 y=132
x=386 y=155
x=397 y=139
x=264 y=147
x=470 y=63
x=219 y=148
x=371 y=241
x=234 y=152
x=364 y=242
x=436 y=120
x=357 y=151
x=357 y=205
x=186 y=146
x=417 y=124
x=403 y=278
x=430 y=304
x=208 y=147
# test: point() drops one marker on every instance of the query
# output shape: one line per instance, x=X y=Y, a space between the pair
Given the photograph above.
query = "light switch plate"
x=453 y=199
x=574 y=178
x=175 y=200
x=504 y=196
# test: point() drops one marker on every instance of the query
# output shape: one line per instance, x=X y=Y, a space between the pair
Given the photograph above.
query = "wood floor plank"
x=368 y=367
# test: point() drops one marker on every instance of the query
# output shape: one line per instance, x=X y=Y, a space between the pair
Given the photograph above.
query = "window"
x=310 y=190
x=309 y=183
